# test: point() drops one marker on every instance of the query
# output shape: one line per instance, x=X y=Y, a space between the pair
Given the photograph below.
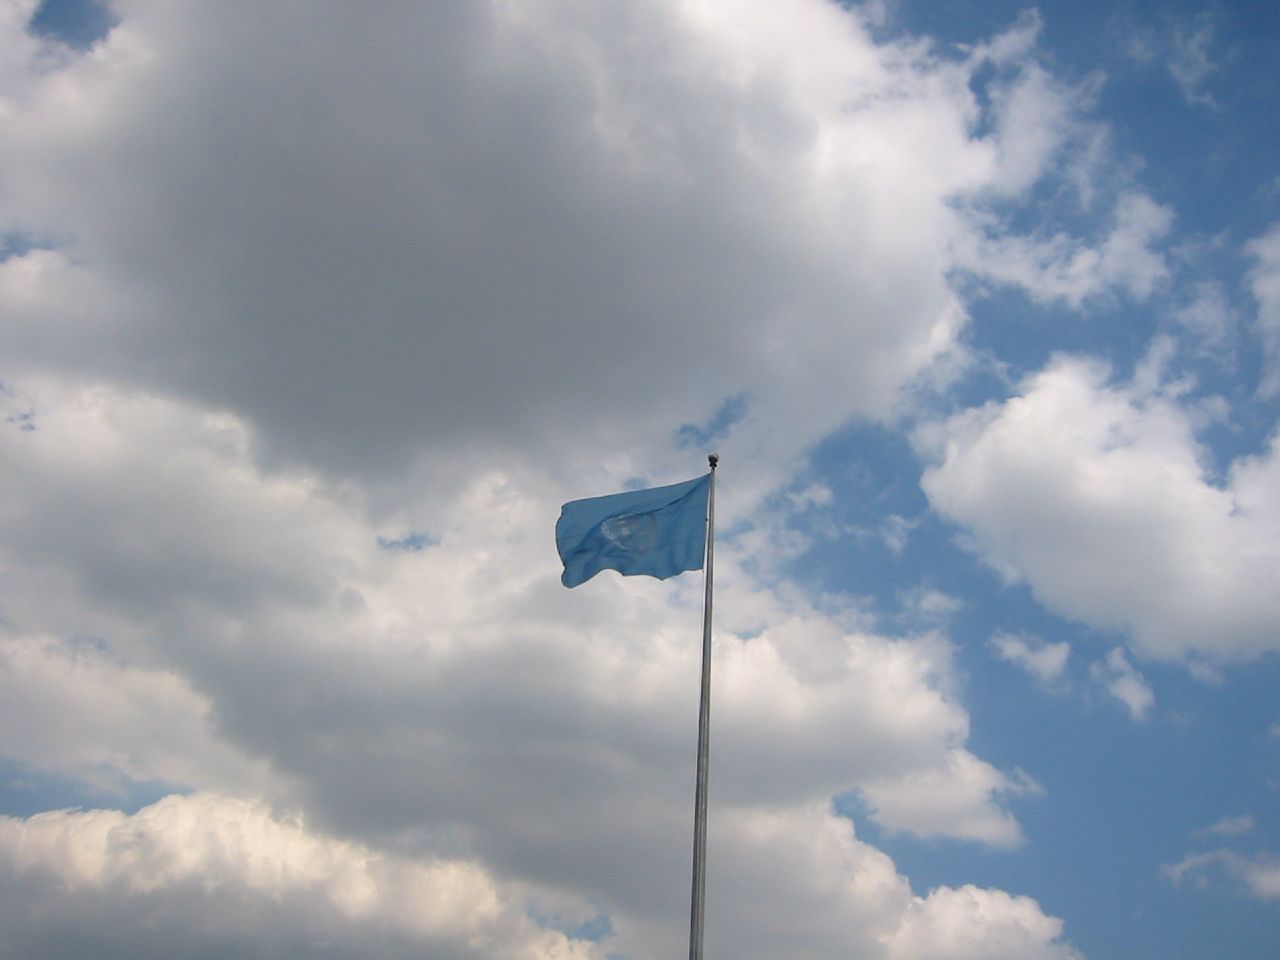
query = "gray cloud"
x=473 y=229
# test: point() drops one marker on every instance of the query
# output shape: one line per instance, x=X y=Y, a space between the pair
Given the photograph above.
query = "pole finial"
x=713 y=459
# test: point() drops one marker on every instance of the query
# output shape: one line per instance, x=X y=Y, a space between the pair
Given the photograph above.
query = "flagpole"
x=698 y=898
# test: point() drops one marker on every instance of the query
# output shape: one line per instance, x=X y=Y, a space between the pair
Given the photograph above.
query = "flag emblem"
x=637 y=532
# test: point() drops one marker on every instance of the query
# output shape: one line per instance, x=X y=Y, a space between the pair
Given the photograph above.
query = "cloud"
x=958 y=795
x=970 y=923
x=1074 y=270
x=1191 y=63
x=1183 y=45
x=445 y=702
x=1208 y=319
x=503 y=252
x=1233 y=826
x=210 y=872
x=300 y=288
x=207 y=873
x=114 y=725
x=1120 y=679
x=895 y=531
x=1260 y=875
x=1044 y=661
x=1264 y=282
x=1097 y=495
x=1033 y=113
x=851 y=884
x=1043 y=138
x=926 y=606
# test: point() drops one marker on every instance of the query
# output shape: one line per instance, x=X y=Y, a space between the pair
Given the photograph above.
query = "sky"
x=312 y=316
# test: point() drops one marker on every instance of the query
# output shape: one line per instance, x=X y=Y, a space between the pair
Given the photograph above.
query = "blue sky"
x=312 y=321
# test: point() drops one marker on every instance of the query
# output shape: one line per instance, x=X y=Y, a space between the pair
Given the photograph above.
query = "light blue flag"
x=658 y=532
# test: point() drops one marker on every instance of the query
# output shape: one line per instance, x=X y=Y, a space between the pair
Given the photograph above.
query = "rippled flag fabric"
x=657 y=532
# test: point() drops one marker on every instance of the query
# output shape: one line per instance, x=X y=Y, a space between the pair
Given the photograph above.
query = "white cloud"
x=1044 y=661
x=1122 y=680
x=825 y=893
x=1041 y=129
x=206 y=870
x=1183 y=45
x=113 y=724
x=1263 y=878
x=924 y=605
x=1233 y=826
x=1260 y=875
x=1074 y=269
x=958 y=795
x=1034 y=116
x=849 y=884
x=814 y=495
x=498 y=261
x=895 y=531
x=1096 y=494
x=1208 y=318
x=438 y=268
x=1191 y=63
x=500 y=256
x=27 y=57
x=1264 y=281
x=453 y=700
x=1015 y=45
x=971 y=923
x=206 y=873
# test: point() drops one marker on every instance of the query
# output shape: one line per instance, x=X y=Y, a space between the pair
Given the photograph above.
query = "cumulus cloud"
x=970 y=923
x=211 y=872
x=418 y=275
x=505 y=259
x=958 y=795
x=216 y=873
x=115 y=724
x=1264 y=281
x=1074 y=270
x=1209 y=320
x=1192 y=63
x=1260 y=874
x=1033 y=113
x=256 y=633
x=1183 y=45
x=1044 y=661
x=407 y=291
x=1097 y=494
x=1041 y=127
x=1233 y=826
x=925 y=605
x=895 y=531
x=1121 y=679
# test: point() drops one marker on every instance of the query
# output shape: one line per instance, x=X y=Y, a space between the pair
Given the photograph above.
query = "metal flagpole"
x=704 y=727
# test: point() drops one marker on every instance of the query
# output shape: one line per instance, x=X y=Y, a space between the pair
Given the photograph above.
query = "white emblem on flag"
x=637 y=532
